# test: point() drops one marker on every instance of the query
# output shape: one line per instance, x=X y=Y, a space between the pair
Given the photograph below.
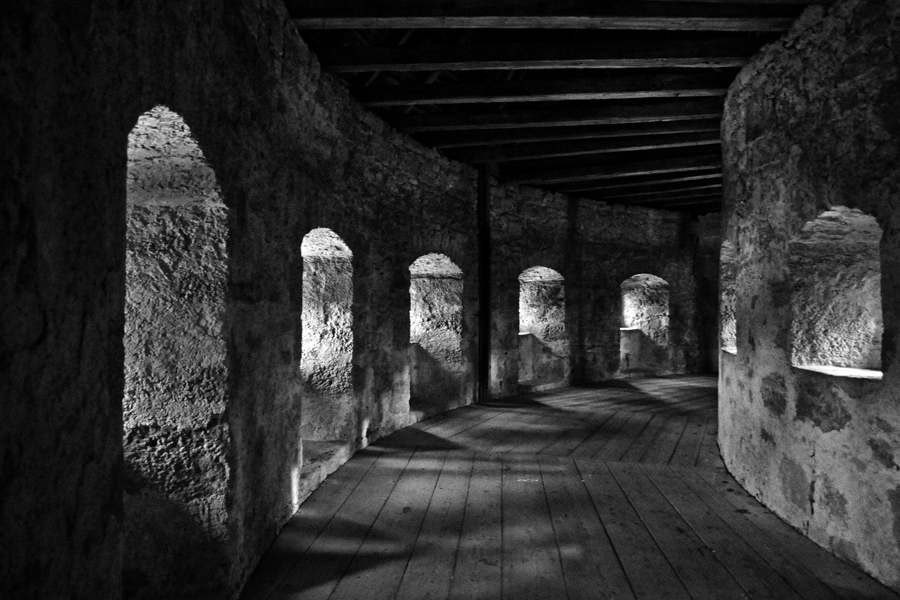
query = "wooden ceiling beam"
x=620 y=22
x=661 y=196
x=557 y=149
x=490 y=137
x=648 y=182
x=608 y=87
x=551 y=164
x=539 y=14
x=610 y=171
x=721 y=51
x=679 y=203
x=606 y=113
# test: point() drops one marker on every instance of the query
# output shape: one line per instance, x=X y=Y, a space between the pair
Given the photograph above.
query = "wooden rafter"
x=610 y=171
x=581 y=147
x=643 y=183
x=723 y=51
x=627 y=113
x=606 y=87
x=566 y=14
x=493 y=137
x=664 y=195
x=606 y=113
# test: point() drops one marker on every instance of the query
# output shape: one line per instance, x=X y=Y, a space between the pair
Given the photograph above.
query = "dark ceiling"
x=617 y=101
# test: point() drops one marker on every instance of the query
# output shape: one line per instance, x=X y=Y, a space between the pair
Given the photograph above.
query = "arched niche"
x=543 y=342
x=644 y=335
x=435 y=334
x=728 y=269
x=328 y=412
x=175 y=435
x=835 y=270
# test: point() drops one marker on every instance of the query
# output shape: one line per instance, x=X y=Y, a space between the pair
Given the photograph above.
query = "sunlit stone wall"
x=437 y=367
x=811 y=155
x=176 y=378
x=543 y=343
x=645 y=324
x=728 y=275
x=329 y=410
x=835 y=267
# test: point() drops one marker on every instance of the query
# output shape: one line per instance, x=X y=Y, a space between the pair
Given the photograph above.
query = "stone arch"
x=543 y=341
x=728 y=270
x=644 y=339
x=437 y=366
x=328 y=412
x=835 y=269
x=175 y=433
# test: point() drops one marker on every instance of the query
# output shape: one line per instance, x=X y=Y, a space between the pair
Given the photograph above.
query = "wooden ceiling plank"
x=581 y=147
x=479 y=138
x=608 y=87
x=734 y=24
x=609 y=171
x=606 y=113
x=383 y=8
x=629 y=177
x=678 y=195
x=661 y=194
x=722 y=51
x=644 y=183
x=539 y=14
x=714 y=200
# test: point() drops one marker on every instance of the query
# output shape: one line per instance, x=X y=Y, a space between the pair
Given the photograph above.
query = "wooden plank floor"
x=598 y=492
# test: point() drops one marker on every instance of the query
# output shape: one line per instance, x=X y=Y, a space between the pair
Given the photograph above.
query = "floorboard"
x=599 y=492
x=430 y=570
x=649 y=572
x=477 y=573
x=590 y=564
x=531 y=566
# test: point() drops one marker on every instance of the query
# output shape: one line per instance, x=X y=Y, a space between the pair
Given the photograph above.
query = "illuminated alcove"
x=543 y=343
x=175 y=434
x=328 y=412
x=728 y=267
x=435 y=334
x=644 y=335
x=835 y=271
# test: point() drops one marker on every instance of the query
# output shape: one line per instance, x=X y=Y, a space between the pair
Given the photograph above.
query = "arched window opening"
x=644 y=340
x=728 y=268
x=435 y=334
x=175 y=431
x=543 y=344
x=328 y=412
x=835 y=268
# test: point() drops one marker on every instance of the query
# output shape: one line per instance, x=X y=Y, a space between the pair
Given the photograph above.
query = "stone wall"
x=543 y=339
x=594 y=246
x=836 y=291
x=727 y=298
x=645 y=324
x=328 y=405
x=440 y=377
x=812 y=124
x=290 y=153
x=176 y=377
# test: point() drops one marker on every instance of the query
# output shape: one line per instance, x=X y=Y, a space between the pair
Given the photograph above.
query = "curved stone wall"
x=291 y=151
x=812 y=124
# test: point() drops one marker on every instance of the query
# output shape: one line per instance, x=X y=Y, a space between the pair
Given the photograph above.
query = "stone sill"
x=730 y=350
x=849 y=372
